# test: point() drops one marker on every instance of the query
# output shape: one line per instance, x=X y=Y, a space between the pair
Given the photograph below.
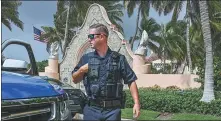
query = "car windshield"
x=15 y=58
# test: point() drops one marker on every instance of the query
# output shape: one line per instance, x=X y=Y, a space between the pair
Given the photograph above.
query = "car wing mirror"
x=13 y=63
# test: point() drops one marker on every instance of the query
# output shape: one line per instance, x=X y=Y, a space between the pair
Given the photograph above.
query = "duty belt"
x=105 y=103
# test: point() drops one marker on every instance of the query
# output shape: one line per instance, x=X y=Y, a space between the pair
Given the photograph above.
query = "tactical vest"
x=109 y=86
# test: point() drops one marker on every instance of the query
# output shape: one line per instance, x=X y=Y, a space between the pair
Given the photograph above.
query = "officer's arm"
x=79 y=74
x=134 y=92
x=80 y=69
x=129 y=78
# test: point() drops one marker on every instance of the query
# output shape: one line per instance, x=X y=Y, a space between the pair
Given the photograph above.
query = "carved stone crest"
x=54 y=50
x=142 y=48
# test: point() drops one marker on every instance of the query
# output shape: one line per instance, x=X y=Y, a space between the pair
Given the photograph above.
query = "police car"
x=28 y=96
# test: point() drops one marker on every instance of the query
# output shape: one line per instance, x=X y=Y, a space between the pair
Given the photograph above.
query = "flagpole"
x=66 y=28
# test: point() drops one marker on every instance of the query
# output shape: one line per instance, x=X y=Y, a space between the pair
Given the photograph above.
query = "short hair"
x=100 y=28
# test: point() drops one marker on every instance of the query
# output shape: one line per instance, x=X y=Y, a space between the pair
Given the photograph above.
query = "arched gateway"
x=79 y=45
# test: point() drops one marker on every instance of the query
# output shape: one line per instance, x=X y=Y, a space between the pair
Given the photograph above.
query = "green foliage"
x=143 y=13
x=172 y=42
x=175 y=101
x=173 y=87
x=153 y=69
x=217 y=73
x=10 y=14
x=41 y=65
x=76 y=16
x=114 y=12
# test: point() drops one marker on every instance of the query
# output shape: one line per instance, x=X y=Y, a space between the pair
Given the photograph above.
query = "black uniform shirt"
x=126 y=73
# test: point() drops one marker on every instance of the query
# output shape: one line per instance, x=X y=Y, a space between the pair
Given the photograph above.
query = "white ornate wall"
x=78 y=45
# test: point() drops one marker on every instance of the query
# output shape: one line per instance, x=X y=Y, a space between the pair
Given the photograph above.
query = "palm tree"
x=196 y=40
x=51 y=35
x=172 y=41
x=143 y=10
x=208 y=93
x=188 y=36
x=214 y=11
x=114 y=12
x=191 y=16
x=77 y=13
x=69 y=15
x=196 y=45
x=10 y=14
x=216 y=32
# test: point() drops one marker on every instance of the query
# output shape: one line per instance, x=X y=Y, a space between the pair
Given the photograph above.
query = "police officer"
x=102 y=72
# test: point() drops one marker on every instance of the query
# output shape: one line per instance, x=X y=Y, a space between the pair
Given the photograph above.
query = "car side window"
x=15 y=58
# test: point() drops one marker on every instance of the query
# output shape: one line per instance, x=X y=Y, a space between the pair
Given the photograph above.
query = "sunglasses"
x=91 y=36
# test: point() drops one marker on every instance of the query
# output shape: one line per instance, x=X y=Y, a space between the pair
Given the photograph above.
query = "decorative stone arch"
x=79 y=44
x=81 y=51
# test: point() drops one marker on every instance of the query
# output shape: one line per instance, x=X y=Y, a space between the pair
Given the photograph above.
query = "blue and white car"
x=25 y=95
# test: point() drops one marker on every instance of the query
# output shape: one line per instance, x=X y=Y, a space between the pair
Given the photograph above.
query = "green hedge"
x=175 y=101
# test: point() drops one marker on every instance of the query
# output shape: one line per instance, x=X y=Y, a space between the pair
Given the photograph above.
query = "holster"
x=83 y=101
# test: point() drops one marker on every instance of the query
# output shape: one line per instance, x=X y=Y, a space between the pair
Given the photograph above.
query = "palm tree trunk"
x=188 y=45
x=188 y=37
x=138 y=17
x=184 y=67
x=208 y=93
x=177 y=65
x=164 y=64
x=66 y=30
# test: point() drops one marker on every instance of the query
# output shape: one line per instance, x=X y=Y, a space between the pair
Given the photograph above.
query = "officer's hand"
x=84 y=68
x=136 y=110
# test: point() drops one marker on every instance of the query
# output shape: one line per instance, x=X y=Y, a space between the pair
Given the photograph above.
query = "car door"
x=17 y=56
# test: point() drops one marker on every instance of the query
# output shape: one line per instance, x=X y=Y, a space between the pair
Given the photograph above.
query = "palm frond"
x=6 y=23
x=168 y=7
x=130 y=8
x=177 y=9
x=10 y=13
x=216 y=25
x=158 y=6
x=145 y=8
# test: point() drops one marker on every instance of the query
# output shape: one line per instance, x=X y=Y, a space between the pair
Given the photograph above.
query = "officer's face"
x=95 y=38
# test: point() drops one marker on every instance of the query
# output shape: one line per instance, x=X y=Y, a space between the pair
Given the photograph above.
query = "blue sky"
x=40 y=13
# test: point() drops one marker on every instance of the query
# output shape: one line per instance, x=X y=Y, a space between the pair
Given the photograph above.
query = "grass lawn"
x=185 y=116
x=152 y=115
x=145 y=115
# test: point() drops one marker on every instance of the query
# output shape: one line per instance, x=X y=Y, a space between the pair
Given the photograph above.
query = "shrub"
x=175 y=101
x=41 y=65
x=156 y=86
x=173 y=87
